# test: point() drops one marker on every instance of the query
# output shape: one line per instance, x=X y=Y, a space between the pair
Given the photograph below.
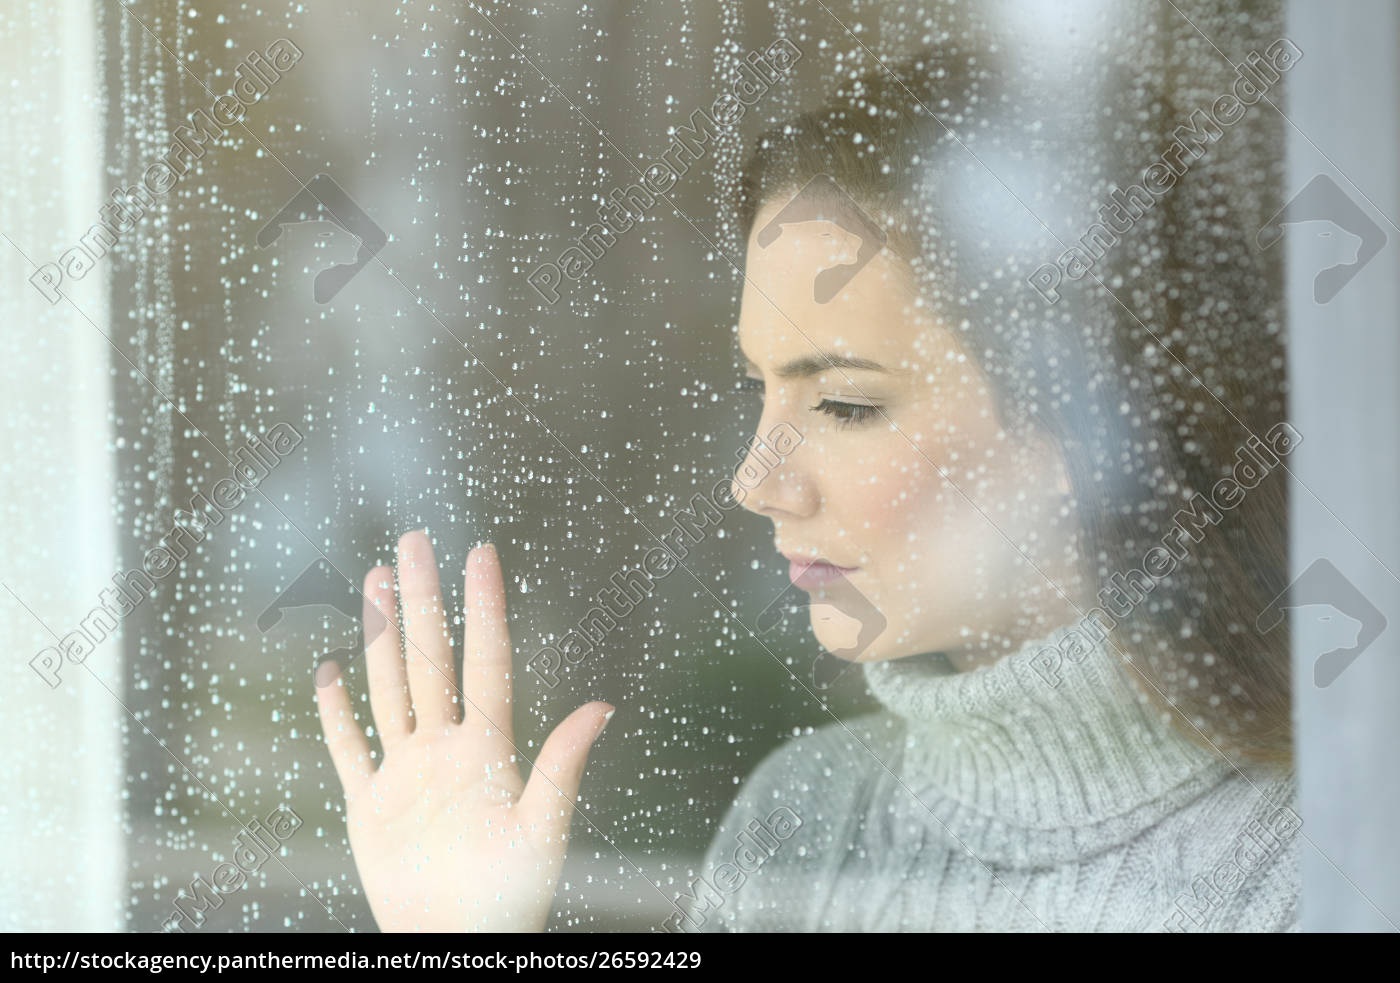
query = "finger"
x=549 y=796
x=388 y=677
x=486 y=661
x=344 y=739
x=427 y=640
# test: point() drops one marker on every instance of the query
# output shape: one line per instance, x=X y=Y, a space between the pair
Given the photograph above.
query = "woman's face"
x=905 y=486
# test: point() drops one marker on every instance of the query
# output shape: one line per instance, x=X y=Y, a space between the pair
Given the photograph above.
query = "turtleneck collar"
x=1024 y=773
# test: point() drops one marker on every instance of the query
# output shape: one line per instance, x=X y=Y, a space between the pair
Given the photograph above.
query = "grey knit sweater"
x=989 y=801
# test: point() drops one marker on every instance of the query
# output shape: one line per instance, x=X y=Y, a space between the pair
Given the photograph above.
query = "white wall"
x=61 y=765
x=1344 y=363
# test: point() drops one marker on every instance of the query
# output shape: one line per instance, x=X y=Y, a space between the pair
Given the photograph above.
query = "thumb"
x=553 y=785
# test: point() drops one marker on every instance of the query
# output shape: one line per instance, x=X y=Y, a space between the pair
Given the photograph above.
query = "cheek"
x=913 y=524
x=888 y=500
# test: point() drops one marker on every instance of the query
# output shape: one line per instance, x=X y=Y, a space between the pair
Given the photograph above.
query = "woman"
x=1068 y=743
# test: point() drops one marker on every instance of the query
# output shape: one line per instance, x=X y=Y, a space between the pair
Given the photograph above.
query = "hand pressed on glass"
x=446 y=834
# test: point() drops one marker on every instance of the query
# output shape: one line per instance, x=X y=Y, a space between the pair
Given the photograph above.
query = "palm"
x=446 y=834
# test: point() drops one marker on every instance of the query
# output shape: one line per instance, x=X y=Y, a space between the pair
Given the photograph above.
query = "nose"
x=771 y=479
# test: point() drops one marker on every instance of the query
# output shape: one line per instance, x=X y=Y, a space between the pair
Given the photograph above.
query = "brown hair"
x=1145 y=425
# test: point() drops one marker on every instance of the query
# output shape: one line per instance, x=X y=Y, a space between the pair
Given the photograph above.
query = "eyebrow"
x=811 y=365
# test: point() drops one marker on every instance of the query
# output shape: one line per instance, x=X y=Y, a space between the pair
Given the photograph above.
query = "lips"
x=812 y=572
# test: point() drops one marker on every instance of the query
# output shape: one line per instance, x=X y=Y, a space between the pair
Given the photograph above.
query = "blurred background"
x=437 y=389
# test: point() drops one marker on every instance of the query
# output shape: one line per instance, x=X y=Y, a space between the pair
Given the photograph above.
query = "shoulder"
x=1233 y=857
x=788 y=823
x=813 y=768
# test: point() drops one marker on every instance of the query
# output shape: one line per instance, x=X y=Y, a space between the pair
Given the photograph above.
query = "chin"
x=840 y=637
x=864 y=638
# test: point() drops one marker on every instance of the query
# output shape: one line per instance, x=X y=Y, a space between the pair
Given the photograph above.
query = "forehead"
x=811 y=284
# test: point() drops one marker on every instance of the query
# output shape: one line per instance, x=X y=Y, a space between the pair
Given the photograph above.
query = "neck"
x=1041 y=771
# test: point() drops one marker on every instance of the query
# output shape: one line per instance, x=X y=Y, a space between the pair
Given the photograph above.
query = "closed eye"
x=848 y=414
